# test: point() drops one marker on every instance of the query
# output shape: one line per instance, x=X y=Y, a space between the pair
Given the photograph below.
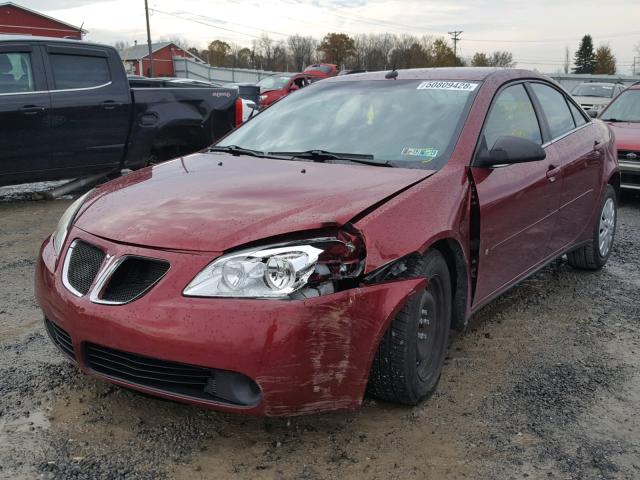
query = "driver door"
x=517 y=202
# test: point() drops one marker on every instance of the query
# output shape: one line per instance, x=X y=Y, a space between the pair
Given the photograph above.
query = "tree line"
x=590 y=61
x=365 y=51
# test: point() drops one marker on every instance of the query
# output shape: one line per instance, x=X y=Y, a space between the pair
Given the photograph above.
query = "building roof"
x=138 y=52
x=33 y=12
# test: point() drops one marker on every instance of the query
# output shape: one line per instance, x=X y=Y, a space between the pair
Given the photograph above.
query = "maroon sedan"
x=291 y=270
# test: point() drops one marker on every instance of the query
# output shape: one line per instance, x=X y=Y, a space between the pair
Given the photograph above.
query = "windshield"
x=274 y=83
x=408 y=123
x=587 y=90
x=625 y=108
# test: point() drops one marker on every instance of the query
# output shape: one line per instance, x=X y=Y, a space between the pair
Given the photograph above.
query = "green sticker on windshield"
x=427 y=154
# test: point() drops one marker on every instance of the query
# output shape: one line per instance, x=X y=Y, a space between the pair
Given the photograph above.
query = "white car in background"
x=596 y=96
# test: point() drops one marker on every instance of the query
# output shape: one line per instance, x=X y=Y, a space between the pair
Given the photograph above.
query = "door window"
x=79 y=71
x=16 y=74
x=512 y=114
x=555 y=109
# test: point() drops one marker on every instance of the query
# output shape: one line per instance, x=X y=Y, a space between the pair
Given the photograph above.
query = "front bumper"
x=306 y=356
x=630 y=174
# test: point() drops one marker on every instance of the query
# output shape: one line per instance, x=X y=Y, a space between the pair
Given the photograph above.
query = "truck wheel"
x=409 y=360
x=594 y=255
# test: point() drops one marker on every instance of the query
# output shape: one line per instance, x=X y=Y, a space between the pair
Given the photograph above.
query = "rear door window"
x=79 y=71
x=16 y=73
x=512 y=114
x=555 y=109
x=578 y=116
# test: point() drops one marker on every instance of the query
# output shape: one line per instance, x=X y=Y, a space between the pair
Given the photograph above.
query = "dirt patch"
x=543 y=384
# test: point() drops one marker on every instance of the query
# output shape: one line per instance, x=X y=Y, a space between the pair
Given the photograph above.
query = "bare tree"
x=502 y=59
x=121 y=46
x=263 y=51
x=301 y=50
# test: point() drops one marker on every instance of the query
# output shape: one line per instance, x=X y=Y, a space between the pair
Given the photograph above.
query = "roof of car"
x=31 y=39
x=450 y=73
x=600 y=84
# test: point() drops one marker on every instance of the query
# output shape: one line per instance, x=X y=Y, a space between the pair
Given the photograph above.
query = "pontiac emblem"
x=632 y=156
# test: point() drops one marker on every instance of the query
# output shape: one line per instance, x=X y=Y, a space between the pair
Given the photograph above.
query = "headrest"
x=5 y=64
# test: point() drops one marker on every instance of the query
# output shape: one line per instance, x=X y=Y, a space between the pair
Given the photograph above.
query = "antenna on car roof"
x=392 y=75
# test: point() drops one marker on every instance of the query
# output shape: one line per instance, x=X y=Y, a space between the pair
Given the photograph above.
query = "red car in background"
x=327 y=247
x=275 y=87
x=623 y=117
x=322 y=69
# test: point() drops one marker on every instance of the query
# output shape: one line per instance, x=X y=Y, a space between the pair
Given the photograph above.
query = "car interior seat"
x=7 y=80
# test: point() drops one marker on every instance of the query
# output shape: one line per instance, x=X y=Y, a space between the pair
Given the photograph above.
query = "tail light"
x=239 y=112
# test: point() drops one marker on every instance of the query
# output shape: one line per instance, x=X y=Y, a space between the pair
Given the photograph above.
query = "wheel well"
x=614 y=181
x=454 y=256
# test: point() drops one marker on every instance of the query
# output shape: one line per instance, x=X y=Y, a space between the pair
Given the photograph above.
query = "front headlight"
x=278 y=271
x=65 y=222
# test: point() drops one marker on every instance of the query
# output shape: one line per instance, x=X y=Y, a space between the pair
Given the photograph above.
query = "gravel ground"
x=545 y=383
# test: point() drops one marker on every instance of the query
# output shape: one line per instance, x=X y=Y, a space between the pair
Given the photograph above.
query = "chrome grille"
x=629 y=156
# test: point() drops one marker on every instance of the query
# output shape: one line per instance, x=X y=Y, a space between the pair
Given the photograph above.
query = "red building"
x=137 y=62
x=18 y=20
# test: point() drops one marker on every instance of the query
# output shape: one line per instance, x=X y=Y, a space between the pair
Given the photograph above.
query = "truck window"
x=16 y=74
x=78 y=71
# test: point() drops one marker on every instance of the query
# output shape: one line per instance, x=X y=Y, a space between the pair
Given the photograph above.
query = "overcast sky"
x=536 y=32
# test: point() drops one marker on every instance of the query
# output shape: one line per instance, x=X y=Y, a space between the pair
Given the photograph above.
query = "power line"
x=204 y=17
x=203 y=23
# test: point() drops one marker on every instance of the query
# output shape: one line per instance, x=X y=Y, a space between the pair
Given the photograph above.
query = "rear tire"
x=410 y=357
x=594 y=255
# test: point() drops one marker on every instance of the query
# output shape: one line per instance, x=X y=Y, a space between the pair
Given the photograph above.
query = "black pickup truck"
x=67 y=110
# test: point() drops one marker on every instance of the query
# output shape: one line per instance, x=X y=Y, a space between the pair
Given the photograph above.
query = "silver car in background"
x=596 y=96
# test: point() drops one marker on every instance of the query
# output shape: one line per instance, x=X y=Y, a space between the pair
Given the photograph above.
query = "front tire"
x=594 y=255
x=410 y=357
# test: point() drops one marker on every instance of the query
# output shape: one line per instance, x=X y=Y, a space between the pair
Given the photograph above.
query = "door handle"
x=32 y=110
x=552 y=173
x=110 y=105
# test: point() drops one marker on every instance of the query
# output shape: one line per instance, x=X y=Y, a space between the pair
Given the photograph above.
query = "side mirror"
x=294 y=87
x=592 y=113
x=509 y=150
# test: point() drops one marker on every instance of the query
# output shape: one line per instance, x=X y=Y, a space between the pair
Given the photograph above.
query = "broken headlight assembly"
x=299 y=269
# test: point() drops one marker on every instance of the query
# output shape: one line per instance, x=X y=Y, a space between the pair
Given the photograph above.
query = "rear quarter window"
x=79 y=71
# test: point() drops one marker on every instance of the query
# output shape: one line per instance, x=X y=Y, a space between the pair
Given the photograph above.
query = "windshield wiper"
x=236 y=150
x=323 y=155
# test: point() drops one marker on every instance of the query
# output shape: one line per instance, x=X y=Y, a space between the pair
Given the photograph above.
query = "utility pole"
x=146 y=12
x=635 y=59
x=455 y=36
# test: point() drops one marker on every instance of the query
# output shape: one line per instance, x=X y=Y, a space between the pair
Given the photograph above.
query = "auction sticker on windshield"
x=433 y=85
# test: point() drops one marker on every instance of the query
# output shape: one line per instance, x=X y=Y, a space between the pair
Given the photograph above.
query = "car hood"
x=215 y=201
x=627 y=135
x=592 y=100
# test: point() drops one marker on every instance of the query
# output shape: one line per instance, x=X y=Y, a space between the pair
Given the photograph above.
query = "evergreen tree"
x=585 y=58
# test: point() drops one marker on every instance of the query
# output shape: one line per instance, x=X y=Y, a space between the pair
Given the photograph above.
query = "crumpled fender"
x=330 y=349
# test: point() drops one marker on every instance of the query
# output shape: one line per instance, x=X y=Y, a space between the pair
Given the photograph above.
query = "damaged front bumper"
x=290 y=357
